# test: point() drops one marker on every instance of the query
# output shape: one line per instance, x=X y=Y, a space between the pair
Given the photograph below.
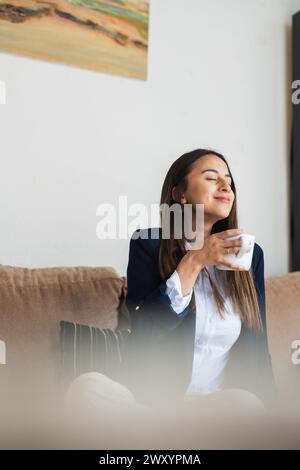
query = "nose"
x=225 y=186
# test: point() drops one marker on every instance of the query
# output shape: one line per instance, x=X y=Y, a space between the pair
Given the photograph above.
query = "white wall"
x=72 y=139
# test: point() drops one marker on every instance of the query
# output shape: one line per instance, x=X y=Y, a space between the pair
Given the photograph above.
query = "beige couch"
x=33 y=301
x=283 y=321
x=32 y=304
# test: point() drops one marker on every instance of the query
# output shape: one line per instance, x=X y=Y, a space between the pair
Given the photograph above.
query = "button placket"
x=210 y=323
x=201 y=309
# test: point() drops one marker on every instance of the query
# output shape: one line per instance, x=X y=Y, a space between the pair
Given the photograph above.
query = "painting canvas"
x=106 y=35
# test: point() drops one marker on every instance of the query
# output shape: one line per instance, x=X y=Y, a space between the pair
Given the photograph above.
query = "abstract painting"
x=103 y=35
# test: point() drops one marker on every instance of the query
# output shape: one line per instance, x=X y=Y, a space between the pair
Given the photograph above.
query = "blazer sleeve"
x=266 y=361
x=259 y=280
x=147 y=300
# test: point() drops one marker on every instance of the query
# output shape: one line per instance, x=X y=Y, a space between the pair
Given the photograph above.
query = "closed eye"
x=214 y=179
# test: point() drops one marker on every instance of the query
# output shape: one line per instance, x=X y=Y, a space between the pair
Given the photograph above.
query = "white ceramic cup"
x=243 y=257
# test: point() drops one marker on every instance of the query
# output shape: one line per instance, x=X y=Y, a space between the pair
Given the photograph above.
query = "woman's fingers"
x=231 y=243
x=231 y=250
x=229 y=233
x=233 y=266
x=230 y=264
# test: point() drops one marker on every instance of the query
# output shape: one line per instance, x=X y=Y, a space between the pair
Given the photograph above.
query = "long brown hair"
x=238 y=285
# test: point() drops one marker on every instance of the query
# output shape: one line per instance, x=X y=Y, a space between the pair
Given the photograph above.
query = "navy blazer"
x=162 y=341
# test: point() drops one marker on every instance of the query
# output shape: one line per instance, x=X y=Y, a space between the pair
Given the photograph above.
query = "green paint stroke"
x=136 y=17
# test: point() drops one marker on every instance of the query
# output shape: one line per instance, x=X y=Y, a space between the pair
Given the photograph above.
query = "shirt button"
x=137 y=307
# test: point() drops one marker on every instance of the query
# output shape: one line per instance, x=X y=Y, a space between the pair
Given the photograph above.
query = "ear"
x=175 y=196
x=174 y=193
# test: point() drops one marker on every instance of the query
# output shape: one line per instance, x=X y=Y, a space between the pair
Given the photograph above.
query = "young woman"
x=197 y=332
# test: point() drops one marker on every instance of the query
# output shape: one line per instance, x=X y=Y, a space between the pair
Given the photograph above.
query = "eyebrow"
x=215 y=171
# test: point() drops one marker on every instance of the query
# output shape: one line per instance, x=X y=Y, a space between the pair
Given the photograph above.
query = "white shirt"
x=214 y=336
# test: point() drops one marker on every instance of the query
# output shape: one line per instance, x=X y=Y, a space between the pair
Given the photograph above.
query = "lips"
x=225 y=200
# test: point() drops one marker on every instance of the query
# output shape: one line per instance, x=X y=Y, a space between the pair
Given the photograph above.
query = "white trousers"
x=94 y=396
x=103 y=412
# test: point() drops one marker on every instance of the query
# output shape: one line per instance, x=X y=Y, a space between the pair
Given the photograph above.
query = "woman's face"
x=208 y=183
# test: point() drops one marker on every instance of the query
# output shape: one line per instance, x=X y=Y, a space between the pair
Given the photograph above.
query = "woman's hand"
x=215 y=249
x=213 y=252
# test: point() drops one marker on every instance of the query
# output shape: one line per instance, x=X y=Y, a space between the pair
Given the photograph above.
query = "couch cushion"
x=33 y=302
x=89 y=349
x=283 y=321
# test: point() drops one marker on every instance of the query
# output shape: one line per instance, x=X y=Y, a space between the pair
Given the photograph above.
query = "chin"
x=217 y=213
x=222 y=215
